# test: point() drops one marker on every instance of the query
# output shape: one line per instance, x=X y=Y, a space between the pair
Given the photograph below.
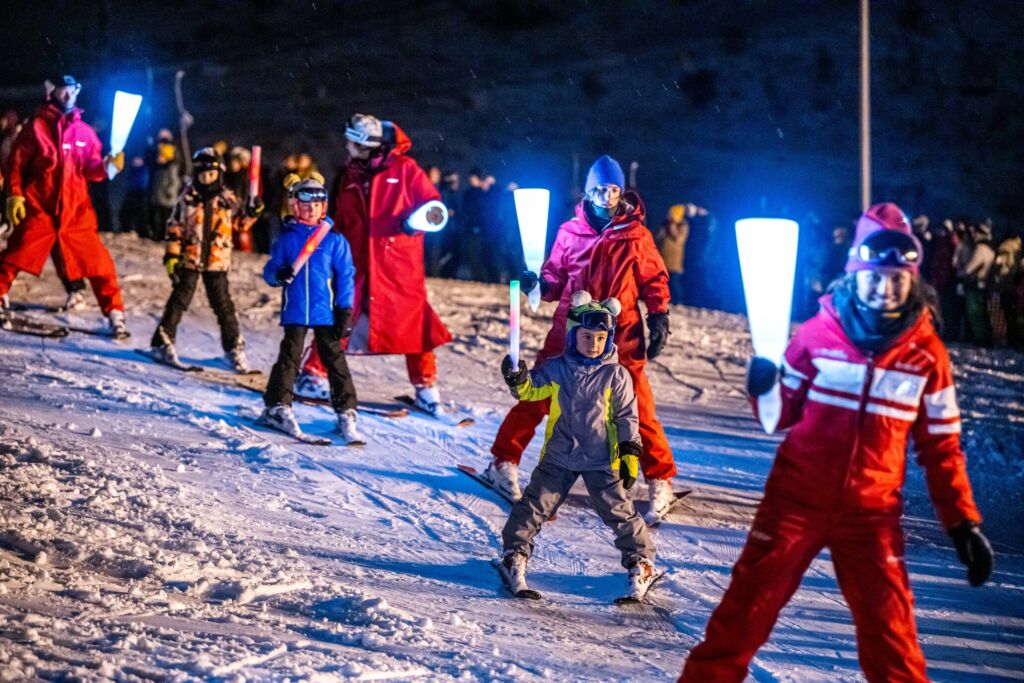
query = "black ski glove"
x=762 y=374
x=284 y=276
x=254 y=208
x=529 y=279
x=343 y=322
x=629 y=463
x=657 y=327
x=513 y=377
x=974 y=551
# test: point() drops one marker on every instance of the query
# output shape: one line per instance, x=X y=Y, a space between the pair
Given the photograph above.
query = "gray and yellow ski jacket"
x=593 y=410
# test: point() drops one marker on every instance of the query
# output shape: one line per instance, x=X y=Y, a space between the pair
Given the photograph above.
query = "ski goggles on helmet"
x=310 y=195
x=594 y=320
x=889 y=248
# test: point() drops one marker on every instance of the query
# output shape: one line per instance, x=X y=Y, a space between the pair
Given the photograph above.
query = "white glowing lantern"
x=126 y=108
x=532 y=212
x=418 y=219
x=767 y=248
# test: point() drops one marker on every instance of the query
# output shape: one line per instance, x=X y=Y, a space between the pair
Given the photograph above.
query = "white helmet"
x=365 y=130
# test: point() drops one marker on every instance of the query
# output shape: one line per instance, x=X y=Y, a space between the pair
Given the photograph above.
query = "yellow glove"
x=116 y=159
x=172 y=265
x=15 y=210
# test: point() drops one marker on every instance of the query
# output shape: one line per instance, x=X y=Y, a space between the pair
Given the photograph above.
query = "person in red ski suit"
x=604 y=249
x=52 y=161
x=867 y=372
x=380 y=189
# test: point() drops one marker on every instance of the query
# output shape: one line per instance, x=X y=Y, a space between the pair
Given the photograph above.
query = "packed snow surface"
x=149 y=532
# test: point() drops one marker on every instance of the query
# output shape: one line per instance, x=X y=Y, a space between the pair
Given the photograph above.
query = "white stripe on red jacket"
x=850 y=414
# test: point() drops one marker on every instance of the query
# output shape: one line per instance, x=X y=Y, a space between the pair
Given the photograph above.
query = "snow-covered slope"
x=147 y=532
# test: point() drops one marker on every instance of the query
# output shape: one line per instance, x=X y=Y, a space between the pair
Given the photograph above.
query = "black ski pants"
x=328 y=344
x=216 y=284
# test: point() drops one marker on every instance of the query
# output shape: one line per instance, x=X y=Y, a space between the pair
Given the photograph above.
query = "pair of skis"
x=23 y=324
x=521 y=590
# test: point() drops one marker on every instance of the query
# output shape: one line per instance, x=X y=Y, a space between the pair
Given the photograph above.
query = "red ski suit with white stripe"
x=836 y=483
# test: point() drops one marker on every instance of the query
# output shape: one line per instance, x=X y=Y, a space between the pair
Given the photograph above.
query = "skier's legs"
x=343 y=390
x=615 y=508
x=783 y=541
x=868 y=558
x=219 y=294
x=282 y=376
x=517 y=429
x=548 y=486
x=422 y=368
x=656 y=461
x=181 y=297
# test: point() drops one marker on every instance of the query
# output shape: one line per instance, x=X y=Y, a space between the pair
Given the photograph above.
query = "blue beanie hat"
x=605 y=171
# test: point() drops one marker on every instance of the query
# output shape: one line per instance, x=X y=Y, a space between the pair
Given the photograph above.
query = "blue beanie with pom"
x=605 y=171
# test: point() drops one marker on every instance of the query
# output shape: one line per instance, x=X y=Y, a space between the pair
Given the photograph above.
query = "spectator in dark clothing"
x=433 y=242
x=452 y=198
x=937 y=270
x=133 y=214
x=236 y=178
x=165 y=183
x=476 y=260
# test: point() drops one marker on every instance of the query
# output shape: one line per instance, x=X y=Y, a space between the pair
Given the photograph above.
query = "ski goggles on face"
x=595 y=320
x=889 y=248
x=309 y=196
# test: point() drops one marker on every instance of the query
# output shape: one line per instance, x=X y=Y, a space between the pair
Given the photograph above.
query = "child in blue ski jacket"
x=318 y=296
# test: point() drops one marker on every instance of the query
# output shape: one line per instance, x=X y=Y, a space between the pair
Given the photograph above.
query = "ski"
x=450 y=420
x=29 y=321
x=301 y=437
x=480 y=477
x=519 y=591
x=33 y=329
x=256 y=382
x=48 y=308
x=634 y=598
x=654 y=520
x=146 y=353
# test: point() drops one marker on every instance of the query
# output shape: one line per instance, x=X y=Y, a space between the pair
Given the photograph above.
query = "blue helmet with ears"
x=591 y=315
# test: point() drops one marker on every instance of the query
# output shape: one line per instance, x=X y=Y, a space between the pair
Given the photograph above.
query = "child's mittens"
x=284 y=275
x=629 y=463
x=514 y=377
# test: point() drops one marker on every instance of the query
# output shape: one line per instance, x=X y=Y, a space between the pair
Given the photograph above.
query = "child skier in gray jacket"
x=593 y=432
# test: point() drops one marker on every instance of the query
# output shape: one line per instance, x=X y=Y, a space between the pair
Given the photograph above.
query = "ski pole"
x=513 y=322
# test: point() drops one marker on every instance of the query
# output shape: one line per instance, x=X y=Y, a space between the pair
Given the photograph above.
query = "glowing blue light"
x=418 y=219
x=767 y=249
x=532 y=212
x=126 y=108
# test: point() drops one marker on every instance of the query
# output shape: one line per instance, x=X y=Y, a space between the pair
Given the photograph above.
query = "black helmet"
x=63 y=80
x=207 y=159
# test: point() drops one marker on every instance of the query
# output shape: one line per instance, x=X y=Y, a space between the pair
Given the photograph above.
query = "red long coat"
x=849 y=417
x=621 y=261
x=390 y=281
x=54 y=158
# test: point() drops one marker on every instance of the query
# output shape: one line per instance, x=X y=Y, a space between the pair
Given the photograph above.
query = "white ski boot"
x=512 y=568
x=74 y=302
x=166 y=354
x=313 y=386
x=281 y=418
x=238 y=360
x=661 y=497
x=504 y=476
x=428 y=399
x=641 y=576
x=347 y=428
x=118 y=327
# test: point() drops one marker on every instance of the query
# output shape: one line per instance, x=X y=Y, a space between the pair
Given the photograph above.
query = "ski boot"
x=237 y=359
x=313 y=386
x=641 y=576
x=118 y=327
x=504 y=476
x=167 y=354
x=661 y=497
x=428 y=399
x=347 y=428
x=513 y=570
x=281 y=418
x=74 y=302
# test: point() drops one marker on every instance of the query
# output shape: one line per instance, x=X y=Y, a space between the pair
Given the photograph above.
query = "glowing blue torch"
x=532 y=212
x=126 y=108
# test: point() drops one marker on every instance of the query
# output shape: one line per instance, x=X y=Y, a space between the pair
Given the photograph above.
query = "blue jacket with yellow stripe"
x=593 y=410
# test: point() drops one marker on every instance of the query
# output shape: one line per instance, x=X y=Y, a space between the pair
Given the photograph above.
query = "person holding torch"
x=54 y=158
x=857 y=381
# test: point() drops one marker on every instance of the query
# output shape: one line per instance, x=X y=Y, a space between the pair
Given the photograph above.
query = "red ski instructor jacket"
x=620 y=261
x=850 y=415
x=53 y=159
x=390 y=284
